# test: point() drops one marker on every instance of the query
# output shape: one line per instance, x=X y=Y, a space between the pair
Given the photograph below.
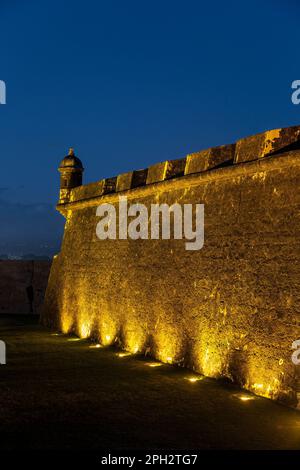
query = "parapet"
x=246 y=150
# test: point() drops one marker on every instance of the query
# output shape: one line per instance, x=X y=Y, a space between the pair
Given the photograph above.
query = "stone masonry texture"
x=231 y=309
x=22 y=286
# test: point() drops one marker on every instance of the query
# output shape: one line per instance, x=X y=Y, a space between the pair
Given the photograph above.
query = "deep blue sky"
x=130 y=83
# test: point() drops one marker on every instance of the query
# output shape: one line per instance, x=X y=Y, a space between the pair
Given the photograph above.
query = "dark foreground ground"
x=57 y=393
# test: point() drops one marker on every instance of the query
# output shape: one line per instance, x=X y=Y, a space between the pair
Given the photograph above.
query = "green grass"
x=60 y=394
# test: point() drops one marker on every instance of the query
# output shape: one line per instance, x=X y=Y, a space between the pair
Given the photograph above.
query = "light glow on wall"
x=168 y=344
x=84 y=330
x=134 y=336
x=106 y=329
x=65 y=317
x=108 y=339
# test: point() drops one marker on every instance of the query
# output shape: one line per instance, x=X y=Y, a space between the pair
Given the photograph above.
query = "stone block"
x=208 y=159
x=175 y=168
x=139 y=178
x=109 y=185
x=267 y=143
x=86 y=191
x=157 y=172
x=166 y=170
x=124 y=181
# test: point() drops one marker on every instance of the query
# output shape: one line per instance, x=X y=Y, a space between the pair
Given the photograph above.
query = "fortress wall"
x=22 y=286
x=230 y=310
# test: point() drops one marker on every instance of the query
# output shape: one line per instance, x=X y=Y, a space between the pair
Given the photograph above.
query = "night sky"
x=128 y=84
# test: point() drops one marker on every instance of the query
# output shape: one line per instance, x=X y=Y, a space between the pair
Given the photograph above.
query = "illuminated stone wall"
x=231 y=309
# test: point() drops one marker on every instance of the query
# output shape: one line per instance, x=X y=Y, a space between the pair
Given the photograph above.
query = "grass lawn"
x=59 y=393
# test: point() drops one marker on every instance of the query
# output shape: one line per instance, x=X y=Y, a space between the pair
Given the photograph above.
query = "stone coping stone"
x=208 y=159
x=267 y=143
